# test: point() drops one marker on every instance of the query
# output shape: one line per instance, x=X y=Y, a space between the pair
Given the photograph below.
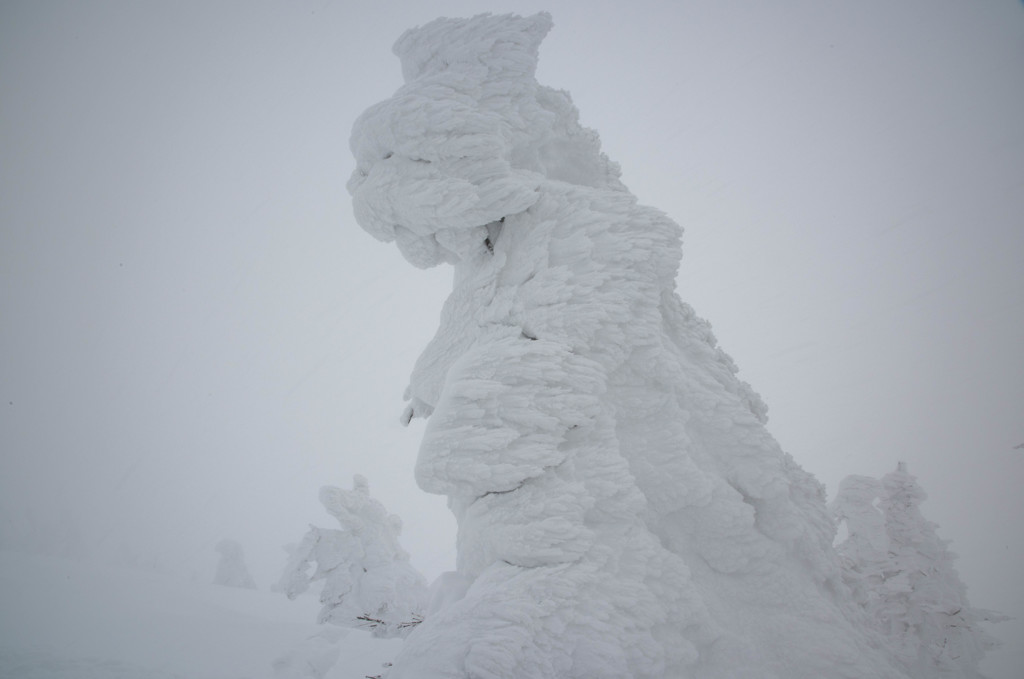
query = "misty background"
x=195 y=335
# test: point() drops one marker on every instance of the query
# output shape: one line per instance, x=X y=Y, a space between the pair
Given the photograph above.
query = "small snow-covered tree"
x=368 y=580
x=903 y=576
x=231 y=569
x=936 y=630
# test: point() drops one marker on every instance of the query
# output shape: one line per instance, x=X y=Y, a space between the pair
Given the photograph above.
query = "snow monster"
x=622 y=510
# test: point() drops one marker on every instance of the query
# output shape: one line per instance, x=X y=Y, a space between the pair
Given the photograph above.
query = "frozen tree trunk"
x=231 y=569
x=622 y=510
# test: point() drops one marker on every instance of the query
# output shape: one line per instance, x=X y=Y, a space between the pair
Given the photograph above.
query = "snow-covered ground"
x=79 y=619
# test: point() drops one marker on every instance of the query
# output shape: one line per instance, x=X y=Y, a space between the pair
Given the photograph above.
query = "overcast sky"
x=196 y=335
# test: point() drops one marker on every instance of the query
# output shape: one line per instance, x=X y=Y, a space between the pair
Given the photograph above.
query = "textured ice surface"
x=622 y=510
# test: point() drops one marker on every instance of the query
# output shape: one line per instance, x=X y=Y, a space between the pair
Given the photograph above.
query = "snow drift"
x=622 y=510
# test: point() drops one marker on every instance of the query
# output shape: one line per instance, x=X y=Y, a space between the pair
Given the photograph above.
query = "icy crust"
x=622 y=510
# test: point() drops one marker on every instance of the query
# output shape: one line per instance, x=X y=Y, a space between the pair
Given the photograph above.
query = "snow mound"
x=80 y=619
x=622 y=510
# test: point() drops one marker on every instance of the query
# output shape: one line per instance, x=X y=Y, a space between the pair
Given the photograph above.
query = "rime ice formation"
x=368 y=580
x=622 y=510
x=904 y=576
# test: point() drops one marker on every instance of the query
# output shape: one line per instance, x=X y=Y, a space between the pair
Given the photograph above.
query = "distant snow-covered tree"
x=231 y=569
x=368 y=580
x=937 y=632
x=903 y=575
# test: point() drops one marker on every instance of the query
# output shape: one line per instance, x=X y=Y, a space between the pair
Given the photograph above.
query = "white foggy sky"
x=196 y=335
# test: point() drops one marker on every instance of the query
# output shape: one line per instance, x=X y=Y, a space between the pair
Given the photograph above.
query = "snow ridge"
x=622 y=510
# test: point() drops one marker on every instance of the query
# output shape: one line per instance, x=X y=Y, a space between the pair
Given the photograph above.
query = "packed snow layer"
x=622 y=510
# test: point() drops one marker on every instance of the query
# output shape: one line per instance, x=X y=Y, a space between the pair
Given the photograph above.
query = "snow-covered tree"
x=622 y=510
x=368 y=580
x=231 y=569
x=923 y=602
x=903 y=576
